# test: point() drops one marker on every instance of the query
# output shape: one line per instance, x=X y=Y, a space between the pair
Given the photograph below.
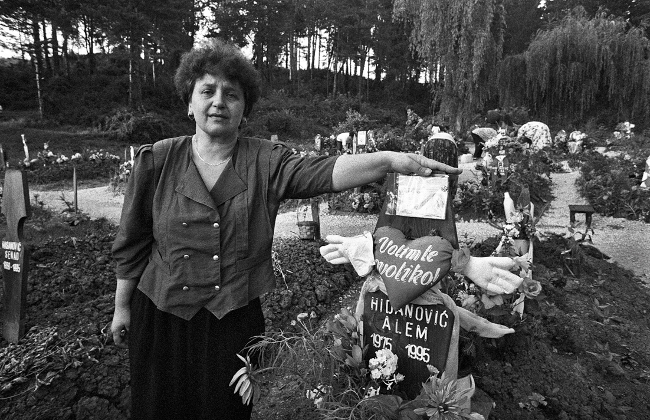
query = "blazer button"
x=216 y=258
x=217 y=288
x=216 y=225
x=187 y=257
x=184 y=224
x=186 y=288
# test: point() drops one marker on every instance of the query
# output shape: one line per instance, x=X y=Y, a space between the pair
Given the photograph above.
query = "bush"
x=17 y=87
x=369 y=199
x=612 y=185
x=394 y=139
x=333 y=109
x=57 y=173
x=354 y=121
x=83 y=100
x=283 y=123
x=138 y=126
x=484 y=198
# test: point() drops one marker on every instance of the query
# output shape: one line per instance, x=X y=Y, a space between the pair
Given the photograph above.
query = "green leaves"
x=611 y=186
x=247 y=384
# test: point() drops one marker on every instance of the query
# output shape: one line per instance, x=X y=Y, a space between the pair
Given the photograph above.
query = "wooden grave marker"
x=418 y=334
x=3 y=159
x=15 y=256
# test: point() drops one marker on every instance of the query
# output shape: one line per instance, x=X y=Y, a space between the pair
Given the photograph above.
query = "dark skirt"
x=181 y=369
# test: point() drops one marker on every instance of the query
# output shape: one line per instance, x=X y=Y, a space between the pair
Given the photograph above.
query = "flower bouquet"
x=517 y=242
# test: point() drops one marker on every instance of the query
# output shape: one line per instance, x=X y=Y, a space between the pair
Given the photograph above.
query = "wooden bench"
x=581 y=208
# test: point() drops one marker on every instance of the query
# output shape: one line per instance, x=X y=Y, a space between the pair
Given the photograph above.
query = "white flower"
x=493 y=142
x=317 y=394
x=516 y=217
x=384 y=365
x=372 y=391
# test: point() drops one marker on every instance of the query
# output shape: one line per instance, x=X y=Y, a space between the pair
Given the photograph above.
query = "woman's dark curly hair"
x=217 y=57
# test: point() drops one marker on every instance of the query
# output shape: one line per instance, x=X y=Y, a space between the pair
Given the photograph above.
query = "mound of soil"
x=582 y=351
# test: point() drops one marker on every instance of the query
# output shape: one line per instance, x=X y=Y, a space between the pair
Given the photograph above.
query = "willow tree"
x=461 y=43
x=582 y=63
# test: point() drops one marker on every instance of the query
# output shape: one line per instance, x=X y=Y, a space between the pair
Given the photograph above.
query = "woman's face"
x=218 y=106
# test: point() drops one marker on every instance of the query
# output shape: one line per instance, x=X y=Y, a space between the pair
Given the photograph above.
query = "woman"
x=193 y=250
x=481 y=135
x=536 y=134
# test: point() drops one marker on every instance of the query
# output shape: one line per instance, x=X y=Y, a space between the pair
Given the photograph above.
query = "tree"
x=264 y=24
x=523 y=20
x=582 y=63
x=390 y=44
x=633 y=11
x=462 y=42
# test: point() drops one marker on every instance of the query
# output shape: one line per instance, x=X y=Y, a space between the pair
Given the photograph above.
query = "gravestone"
x=645 y=180
x=15 y=257
x=360 y=142
x=419 y=335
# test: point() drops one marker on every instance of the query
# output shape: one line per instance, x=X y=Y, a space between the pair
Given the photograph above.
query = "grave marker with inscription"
x=15 y=258
x=400 y=309
x=419 y=332
x=419 y=335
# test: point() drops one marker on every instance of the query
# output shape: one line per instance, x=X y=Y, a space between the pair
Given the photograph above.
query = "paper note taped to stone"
x=417 y=196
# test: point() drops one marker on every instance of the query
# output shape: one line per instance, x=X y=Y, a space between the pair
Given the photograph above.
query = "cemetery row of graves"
x=572 y=318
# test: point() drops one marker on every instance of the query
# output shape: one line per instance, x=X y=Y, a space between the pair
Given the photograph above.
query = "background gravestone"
x=15 y=258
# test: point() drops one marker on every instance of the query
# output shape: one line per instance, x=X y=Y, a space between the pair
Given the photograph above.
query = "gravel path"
x=627 y=242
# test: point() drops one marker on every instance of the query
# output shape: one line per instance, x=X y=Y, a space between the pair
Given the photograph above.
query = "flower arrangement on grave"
x=397 y=356
x=500 y=151
x=365 y=202
x=518 y=232
x=624 y=131
x=121 y=177
x=47 y=157
x=333 y=366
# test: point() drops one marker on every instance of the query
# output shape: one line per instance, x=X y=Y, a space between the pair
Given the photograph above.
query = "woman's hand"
x=121 y=325
x=491 y=274
x=355 y=170
x=411 y=163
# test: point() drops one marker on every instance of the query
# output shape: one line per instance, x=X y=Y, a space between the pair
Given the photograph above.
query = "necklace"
x=205 y=161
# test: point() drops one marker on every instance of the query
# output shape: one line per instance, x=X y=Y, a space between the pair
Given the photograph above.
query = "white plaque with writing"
x=419 y=196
